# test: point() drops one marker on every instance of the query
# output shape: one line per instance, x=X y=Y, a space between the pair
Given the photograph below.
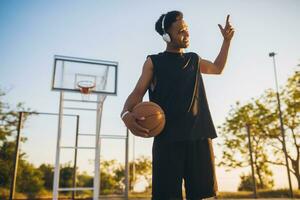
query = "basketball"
x=154 y=117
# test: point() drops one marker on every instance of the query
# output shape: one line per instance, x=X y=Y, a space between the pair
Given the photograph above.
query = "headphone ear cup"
x=166 y=37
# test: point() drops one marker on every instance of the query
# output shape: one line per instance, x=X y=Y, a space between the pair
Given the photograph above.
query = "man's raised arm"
x=206 y=66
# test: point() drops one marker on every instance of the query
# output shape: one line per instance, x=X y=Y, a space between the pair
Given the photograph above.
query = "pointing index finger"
x=227 y=20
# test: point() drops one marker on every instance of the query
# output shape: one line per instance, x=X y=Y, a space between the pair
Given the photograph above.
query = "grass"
x=279 y=193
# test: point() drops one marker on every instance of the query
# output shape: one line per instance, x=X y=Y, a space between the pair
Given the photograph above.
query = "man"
x=183 y=150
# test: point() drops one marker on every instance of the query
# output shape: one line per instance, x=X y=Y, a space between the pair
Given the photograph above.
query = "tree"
x=246 y=183
x=262 y=116
x=110 y=181
x=235 y=151
x=6 y=164
x=47 y=175
x=84 y=180
x=9 y=120
x=29 y=179
x=66 y=176
x=143 y=169
x=290 y=98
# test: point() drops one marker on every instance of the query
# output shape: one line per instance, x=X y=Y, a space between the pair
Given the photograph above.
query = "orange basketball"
x=154 y=117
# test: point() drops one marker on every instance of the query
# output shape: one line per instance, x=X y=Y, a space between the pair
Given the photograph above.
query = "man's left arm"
x=216 y=67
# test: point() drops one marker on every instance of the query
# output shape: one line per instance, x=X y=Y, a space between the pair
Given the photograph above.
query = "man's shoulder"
x=155 y=54
x=155 y=57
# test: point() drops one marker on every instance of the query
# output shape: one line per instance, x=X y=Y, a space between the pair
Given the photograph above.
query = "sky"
x=32 y=32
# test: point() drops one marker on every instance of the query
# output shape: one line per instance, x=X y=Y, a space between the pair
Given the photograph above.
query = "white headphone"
x=166 y=37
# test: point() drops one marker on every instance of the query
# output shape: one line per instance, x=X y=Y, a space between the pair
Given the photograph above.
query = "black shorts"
x=191 y=161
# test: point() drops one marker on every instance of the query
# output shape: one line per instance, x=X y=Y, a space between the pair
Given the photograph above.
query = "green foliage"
x=84 y=180
x=261 y=115
x=9 y=120
x=113 y=173
x=247 y=184
x=109 y=181
x=33 y=181
x=6 y=164
x=66 y=176
x=140 y=168
x=47 y=175
x=234 y=132
x=290 y=106
x=29 y=179
x=143 y=168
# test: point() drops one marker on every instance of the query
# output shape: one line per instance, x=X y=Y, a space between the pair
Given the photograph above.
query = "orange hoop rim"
x=86 y=87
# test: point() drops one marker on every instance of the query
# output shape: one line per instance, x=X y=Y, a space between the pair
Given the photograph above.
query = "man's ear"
x=170 y=34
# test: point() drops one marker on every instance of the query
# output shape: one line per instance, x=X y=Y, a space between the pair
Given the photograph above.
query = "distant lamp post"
x=297 y=71
x=272 y=54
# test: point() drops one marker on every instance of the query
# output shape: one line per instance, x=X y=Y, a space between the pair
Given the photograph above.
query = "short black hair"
x=171 y=17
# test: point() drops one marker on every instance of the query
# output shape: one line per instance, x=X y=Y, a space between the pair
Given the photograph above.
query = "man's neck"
x=175 y=50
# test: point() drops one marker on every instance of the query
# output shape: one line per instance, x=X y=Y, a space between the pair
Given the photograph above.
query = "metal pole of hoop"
x=16 y=157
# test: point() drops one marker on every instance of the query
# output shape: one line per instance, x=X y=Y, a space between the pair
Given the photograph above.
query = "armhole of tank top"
x=153 y=82
x=198 y=68
x=191 y=107
x=198 y=61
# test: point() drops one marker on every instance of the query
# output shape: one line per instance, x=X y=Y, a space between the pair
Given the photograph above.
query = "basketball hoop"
x=86 y=87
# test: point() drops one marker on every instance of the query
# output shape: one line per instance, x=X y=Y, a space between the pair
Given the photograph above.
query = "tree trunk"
x=298 y=181
x=258 y=172
x=295 y=166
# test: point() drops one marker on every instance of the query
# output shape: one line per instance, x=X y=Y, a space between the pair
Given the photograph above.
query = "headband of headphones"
x=163 y=23
x=166 y=37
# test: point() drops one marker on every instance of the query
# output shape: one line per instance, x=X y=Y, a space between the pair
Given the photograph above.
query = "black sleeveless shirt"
x=177 y=86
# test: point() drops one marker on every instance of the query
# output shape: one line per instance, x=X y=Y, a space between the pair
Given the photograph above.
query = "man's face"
x=179 y=34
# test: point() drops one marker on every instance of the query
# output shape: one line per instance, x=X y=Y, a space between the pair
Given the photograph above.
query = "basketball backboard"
x=70 y=71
